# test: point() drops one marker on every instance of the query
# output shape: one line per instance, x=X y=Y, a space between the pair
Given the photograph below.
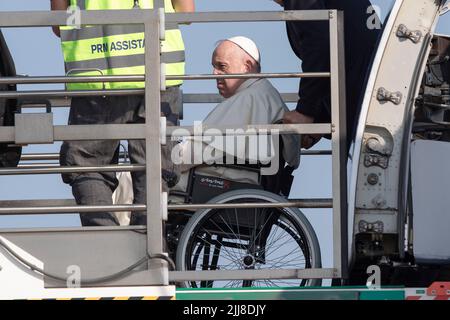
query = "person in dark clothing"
x=9 y=154
x=310 y=40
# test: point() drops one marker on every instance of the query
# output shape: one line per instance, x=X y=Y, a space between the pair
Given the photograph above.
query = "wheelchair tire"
x=250 y=238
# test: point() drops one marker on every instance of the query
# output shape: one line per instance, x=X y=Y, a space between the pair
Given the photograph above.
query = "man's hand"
x=183 y=5
x=280 y=2
x=308 y=140
x=296 y=117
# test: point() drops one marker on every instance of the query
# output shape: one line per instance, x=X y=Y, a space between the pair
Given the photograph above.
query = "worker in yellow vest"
x=114 y=50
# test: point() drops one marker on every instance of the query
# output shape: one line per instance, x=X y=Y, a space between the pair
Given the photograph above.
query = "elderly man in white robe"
x=247 y=102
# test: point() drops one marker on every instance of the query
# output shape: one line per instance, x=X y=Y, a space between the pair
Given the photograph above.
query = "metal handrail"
x=118 y=92
x=141 y=78
x=38 y=210
x=55 y=156
x=69 y=209
x=247 y=16
x=137 y=131
x=100 y=17
x=188 y=98
x=150 y=130
x=71 y=169
x=64 y=93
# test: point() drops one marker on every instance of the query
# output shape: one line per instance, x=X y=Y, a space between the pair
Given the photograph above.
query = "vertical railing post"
x=153 y=141
x=339 y=143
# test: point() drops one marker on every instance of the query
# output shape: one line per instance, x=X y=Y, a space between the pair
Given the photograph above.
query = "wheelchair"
x=240 y=238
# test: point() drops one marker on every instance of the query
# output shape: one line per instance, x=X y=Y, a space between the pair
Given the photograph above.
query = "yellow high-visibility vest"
x=117 y=49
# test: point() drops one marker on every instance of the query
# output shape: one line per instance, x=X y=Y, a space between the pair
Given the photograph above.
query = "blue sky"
x=37 y=52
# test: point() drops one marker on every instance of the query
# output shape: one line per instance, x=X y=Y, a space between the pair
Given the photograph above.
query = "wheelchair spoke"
x=234 y=284
x=227 y=266
x=232 y=256
x=223 y=231
x=272 y=249
x=237 y=221
x=275 y=238
x=278 y=262
x=289 y=255
x=270 y=245
x=296 y=237
x=261 y=229
x=282 y=260
x=231 y=229
x=246 y=239
x=212 y=244
x=279 y=283
x=254 y=230
x=285 y=255
x=285 y=264
x=236 y=255
x=279 y=225
x=197 y=254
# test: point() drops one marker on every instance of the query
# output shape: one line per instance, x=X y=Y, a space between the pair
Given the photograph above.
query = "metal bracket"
x=445 y=9
x=372 y=159
x=414 y=35
x=378 y=140
x=162 y=24
x=385 y=95
x=163 y=130
x=365 y=226
x=163 y=77
x=164 y=202
x=24 y=103
x=180 y=105
x=33 y=128
x=379 y=201
x=372 y=179
x=377 y=153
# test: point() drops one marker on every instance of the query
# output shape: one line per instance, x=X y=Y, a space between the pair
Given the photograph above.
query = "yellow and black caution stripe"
x=114 y=298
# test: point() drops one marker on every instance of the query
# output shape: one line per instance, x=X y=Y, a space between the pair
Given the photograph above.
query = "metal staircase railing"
x=158 y=272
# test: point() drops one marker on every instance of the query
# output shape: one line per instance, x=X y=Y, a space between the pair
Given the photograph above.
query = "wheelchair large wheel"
x=248 y=238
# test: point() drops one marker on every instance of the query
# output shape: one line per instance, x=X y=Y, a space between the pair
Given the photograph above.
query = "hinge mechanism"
x=413 y=35
x=385 y=95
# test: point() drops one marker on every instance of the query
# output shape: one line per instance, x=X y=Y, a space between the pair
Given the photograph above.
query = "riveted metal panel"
x=398 y=68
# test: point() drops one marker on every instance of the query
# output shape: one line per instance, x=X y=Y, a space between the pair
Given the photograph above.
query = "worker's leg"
x=136 y=149
x=94 y=188
x=169 y=99
x=90 y=189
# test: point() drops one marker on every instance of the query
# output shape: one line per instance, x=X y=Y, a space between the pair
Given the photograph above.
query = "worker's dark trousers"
x=96 y=188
